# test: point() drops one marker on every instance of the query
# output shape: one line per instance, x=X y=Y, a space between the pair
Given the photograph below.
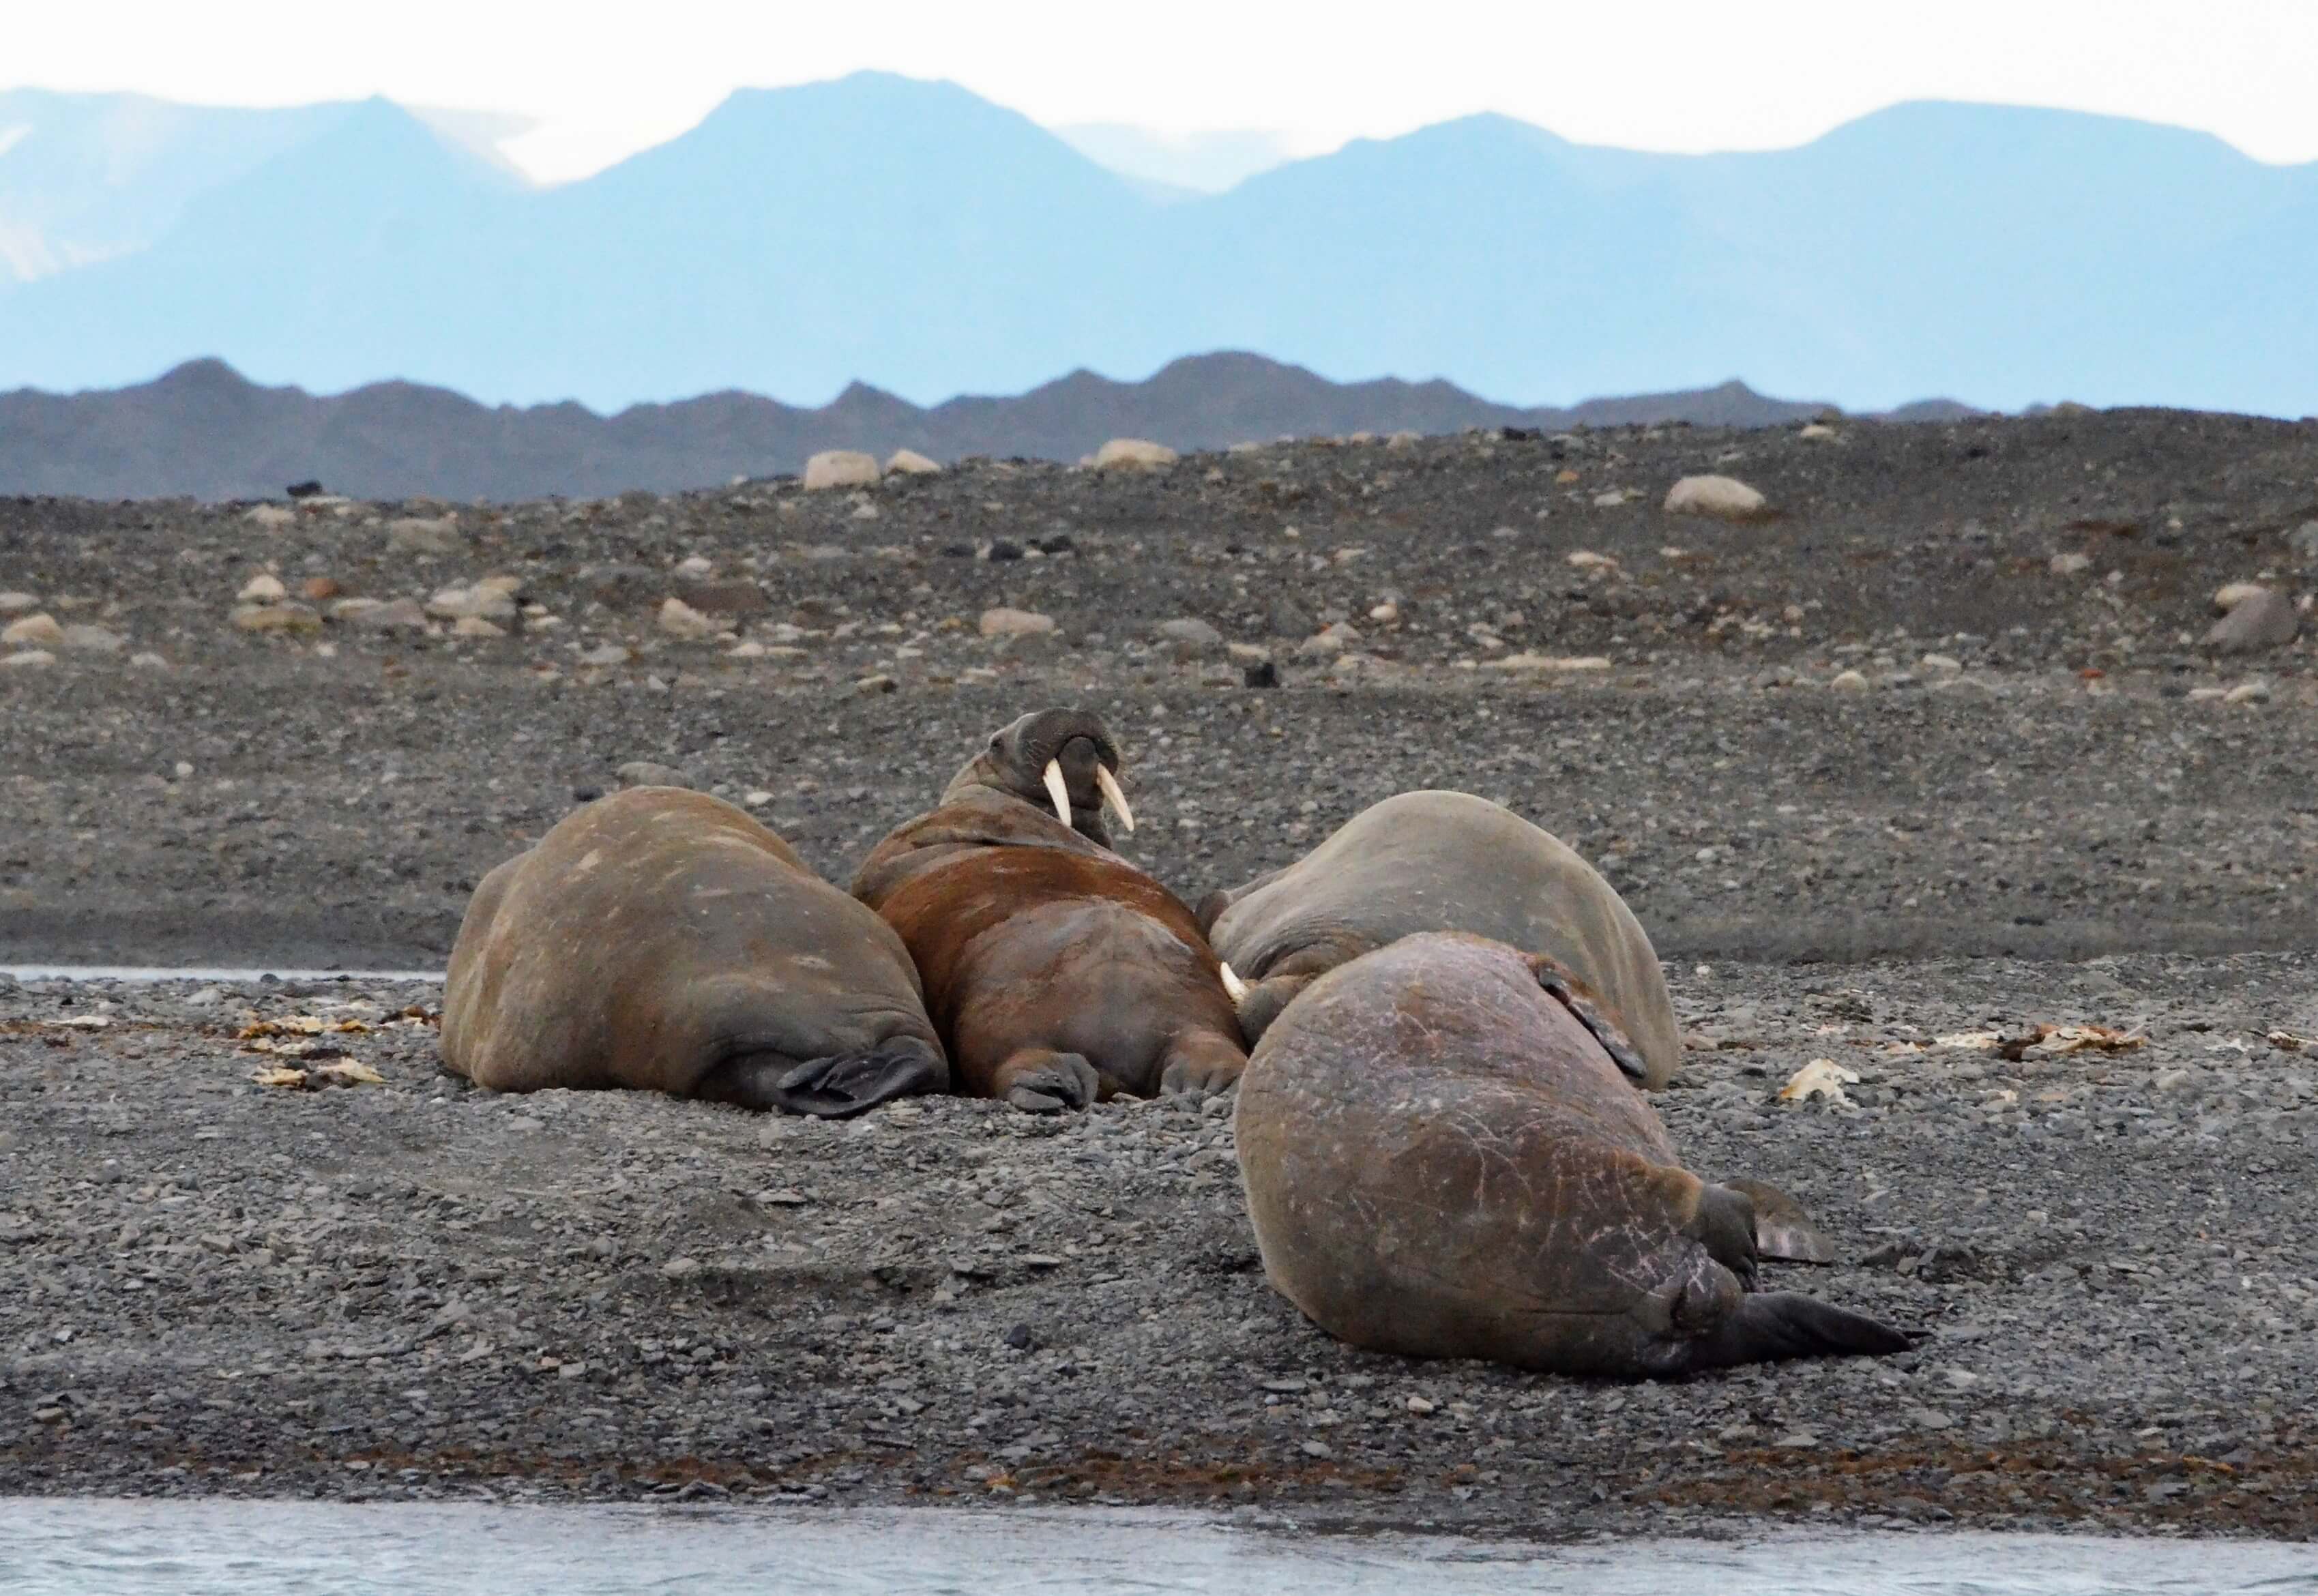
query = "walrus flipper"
x=1772 y=1325
x=1563 y=983
x=835 y=1088
x=1783 y=1229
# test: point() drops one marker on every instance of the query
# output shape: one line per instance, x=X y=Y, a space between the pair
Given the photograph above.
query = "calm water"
x=130 y=1548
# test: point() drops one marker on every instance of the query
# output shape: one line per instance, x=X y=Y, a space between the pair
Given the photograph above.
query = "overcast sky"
x=606 y=79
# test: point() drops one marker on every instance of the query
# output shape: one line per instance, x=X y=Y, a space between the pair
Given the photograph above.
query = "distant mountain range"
x=206 y=431
x=912 y=236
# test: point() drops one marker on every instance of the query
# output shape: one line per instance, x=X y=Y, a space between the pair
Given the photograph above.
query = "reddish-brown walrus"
x=664 y=940
x=1441 y=861
x=1055 y=972
x=1444 y=1159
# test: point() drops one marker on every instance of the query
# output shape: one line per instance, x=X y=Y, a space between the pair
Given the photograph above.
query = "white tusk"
x=1113 y=796
x=1059 y=791
x=1234 y=987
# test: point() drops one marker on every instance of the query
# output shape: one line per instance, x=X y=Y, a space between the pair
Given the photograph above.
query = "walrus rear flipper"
x=1780 y=1324
x=836 y=1088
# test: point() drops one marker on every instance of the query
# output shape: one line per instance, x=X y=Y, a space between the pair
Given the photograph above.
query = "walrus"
x=1443 y=1159
x=664 y=940
x=1056 y=973
x=1439 y=861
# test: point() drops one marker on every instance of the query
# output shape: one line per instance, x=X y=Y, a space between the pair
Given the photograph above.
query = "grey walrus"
x=1439 y=861
x=662 y=939
x=1444 y=1159
x=1055 y=972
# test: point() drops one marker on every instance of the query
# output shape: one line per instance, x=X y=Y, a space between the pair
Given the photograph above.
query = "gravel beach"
x=1930 y=753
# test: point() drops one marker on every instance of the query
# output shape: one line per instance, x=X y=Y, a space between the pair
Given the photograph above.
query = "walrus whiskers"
x=1111 y=794
x=1059 y=791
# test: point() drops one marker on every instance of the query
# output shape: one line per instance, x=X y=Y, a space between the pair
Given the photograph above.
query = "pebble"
x=2258 y=619
x=908 y=462
x=276 y=617
x=2303 y=541
x=1847 y=681
x=607 y=654
x=16 y=604
x=272 y=517
x=1190 y=639
x=476 y=627
x=679 y=620
x=407 y=615
x=2069 y=564
x=1331 y=639
x=1005 y=622
x=484 y=600
x=29 y=659
x=265 y=588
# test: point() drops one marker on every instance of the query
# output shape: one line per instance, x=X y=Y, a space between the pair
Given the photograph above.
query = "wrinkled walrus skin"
x=1056 y=973
x=1443 y=1161
x=663 y=940
x=1441 y=860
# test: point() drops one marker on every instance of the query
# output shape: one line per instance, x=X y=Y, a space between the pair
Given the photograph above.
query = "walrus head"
x=1060 y=760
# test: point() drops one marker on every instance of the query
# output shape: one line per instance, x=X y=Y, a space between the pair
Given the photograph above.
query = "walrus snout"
x=1063 y=759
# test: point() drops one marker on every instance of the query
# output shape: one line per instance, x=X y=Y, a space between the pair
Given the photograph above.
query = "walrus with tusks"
x=1441 y=861
x=1055 y=972
x=1444 y=1159
x=662 y=939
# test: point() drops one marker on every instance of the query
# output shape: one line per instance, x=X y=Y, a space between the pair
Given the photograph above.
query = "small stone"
x=607 y=654
x=421 y=535
x=1318 y=1450
x=1725 y=497
x=1003 y=623
x=30 y=659
x=756 y=799
x=405 y=614
x=1404 y=439
x=869 y=687
x=272 y=517
x=651 y=773
x=1261 y=673
x=2230 y=595
x=1587 y=560
x=840 y=468
x=732 y=597
x=1942 y=662
x=318 y=589
x=1848 y=681
x=1817 y=430
x=265 y=588
x=33 y=632
x=16 y=604
x=2071 y=563
x=147 y=662
x=276 y=617
x=1384 y=615
x=908 y=462
x=1133 y=454
x=2247 y=693
x=1420 y=1406
x=480 y=600
x=1551 y=662
x=680 y=620
x=475 y=626
x=680 y=1269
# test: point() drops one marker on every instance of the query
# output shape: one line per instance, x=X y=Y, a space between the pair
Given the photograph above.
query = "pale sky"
x=606 y=79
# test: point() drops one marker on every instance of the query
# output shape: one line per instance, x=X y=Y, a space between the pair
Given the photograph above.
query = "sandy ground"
x=2035 y=807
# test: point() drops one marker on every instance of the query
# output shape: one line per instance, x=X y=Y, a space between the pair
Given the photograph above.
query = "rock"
x=1554 y=662
x=869 y=687
x=607 y=654
x=265 y=588
x=695 y=566
x=475 y=626
x=422 y=534
x=1816 y=429
x=1587 y=560
x=2069 y=564
x=1404 y=439
x=908 y=462
x=1726 y=497
x=620 y=584
x=1190 y=639
x=33 y=632
x=403 y=614
x=2259 y=620
x=1384 y=615
x=840 y=468
x=2303 y=541
x=2232 y=594
x=16 y=604
x=1329 y=640
x=30 y=658
x=1133 y=454
x=651 y=773
x=1848 y=681
x=147 y=662
x=1004 y=623
x=272 y=517
x=1261 y=673
x=731 y=597
x=2247 y=693
x=93 y=639
x=318 y=589
x=680 y=620
x=276 y=617
x=1947 y=663
x=481 y=601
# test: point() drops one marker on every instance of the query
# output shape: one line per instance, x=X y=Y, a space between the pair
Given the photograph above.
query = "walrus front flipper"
x=1783 y=1229
x=1040 y=1081
x=1773 y=1325
x=836 y=1088
x=1582 y=1001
